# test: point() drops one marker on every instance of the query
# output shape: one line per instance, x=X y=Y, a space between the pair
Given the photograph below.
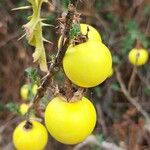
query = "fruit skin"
x=142 y=59
x=87 y=64
x=24 y=91
x=70 y=123
x=30 y=139
x=23 y=108
x=93 y=34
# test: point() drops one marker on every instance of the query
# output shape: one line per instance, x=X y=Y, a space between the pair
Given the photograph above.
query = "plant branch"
x=132 y=78
x=132 y=100
x=102 y=145
x=58 y=59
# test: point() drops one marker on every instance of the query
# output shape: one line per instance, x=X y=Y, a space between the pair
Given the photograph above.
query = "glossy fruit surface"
x=24 y=92
x=138 y=57
x=70 y=123
x=30 y=139
x=23 y=108
x=87 y=64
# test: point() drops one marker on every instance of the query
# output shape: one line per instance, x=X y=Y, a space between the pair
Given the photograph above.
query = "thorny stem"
x=132 y=100
x=58 y=59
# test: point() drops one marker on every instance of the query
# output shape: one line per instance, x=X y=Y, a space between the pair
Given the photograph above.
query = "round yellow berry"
x=138 y=57
x=70 y=123
x=87 y=64
x=34 y=138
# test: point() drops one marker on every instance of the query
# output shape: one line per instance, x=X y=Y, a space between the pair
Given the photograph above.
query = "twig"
x=58 y=59
x=147 y=27
x=132 y=78
x=132 y=100
x=101 y=120
x=92 y=140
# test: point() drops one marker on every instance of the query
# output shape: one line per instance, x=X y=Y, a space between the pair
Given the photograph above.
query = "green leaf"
x=99 y=138
x=2 y=108
x=13 y=107
x=115 y=59
x=75 y=31
x=132 y=25
x=147 y=10
x=127 y=44
x=98 y=91
x=147 y=90
x=115 y=87
x=32 y=73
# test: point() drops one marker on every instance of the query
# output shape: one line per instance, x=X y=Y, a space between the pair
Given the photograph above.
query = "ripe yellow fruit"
x=87 y=64
x=24 y=92
x=93 y=34
x=34 y=89
x=138 y=57
x=70 y=123
x=23 y=108
x=34 y=138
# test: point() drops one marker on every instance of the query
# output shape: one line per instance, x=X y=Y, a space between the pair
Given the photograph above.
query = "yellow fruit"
x=34 y=89
x=24 y=92
x=70 y=123
x=93 y=34
x=87 y=64
x=23 y=108
x=34 y=138
x=138 y=57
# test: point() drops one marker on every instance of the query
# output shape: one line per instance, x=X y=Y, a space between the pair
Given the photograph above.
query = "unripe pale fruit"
x=24 y=92
x=70 y=123
x=87 y=64
x=34 y=138
x=34 y=89
x=23 y=108
x=138 y=57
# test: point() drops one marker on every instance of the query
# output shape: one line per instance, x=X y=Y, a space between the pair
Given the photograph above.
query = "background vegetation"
x=121 y=23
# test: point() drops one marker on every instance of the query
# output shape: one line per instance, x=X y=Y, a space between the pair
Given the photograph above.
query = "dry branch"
x=103 y=145
x=132 y=100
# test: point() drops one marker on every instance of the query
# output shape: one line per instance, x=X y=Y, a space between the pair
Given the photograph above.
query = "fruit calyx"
x=28 y=125
x=77 y=96
x=81 y=38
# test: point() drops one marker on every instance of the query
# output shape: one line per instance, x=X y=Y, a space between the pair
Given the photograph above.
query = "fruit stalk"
x=58 y=59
